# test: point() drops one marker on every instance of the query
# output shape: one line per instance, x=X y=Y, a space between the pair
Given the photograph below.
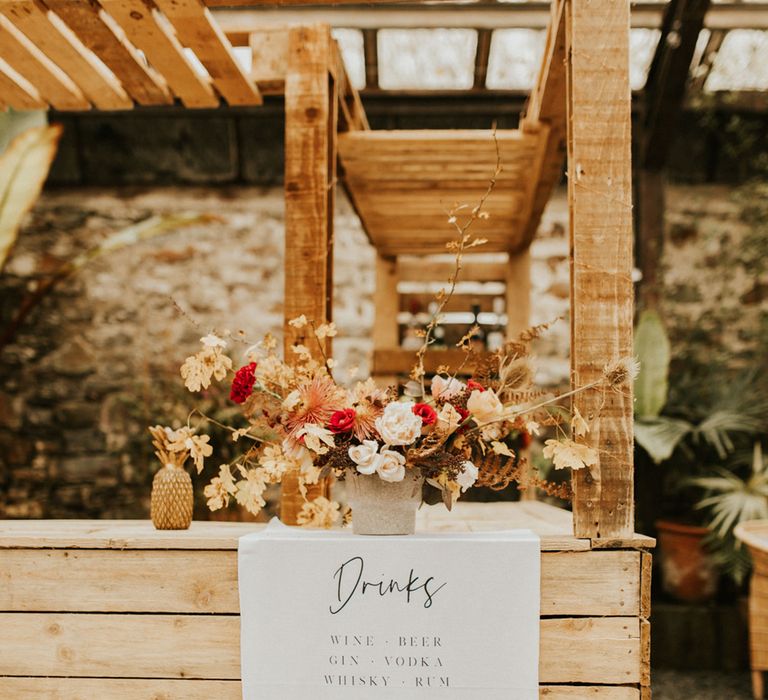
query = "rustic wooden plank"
x=53 y=84
x=102 y=35
x=56 y=40
x=646 y=572
x=399 y=361
x=198 y=31
x=518 y=293
x=16 y=91
x=269 y=51
x=584 y=692
x=421 y=269
x=386 y=301
x=120 y=534
x=311 y=122
x=204 y=581
x=150 y=646
x=645 y=653
x=600 y=194
x=138 y=689
x=310 y=162
x=573 y=650
x=590 y=650
x=117 y=689
x=149 y=31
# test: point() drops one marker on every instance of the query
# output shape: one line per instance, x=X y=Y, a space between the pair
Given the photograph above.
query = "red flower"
x=427 y=414
x=342 y=421
x=242 y=384
x=472 y=385
x=463 y=412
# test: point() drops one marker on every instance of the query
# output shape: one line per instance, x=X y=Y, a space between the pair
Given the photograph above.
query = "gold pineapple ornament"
x=172 y=497
x=172 y=500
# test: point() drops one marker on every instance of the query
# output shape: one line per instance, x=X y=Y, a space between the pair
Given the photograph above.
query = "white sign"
x=331 y=615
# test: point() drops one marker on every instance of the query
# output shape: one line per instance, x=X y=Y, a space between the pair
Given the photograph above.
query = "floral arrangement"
x=448 y=433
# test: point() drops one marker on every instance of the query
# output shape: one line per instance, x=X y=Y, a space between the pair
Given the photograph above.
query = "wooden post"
x=600 y=200
x=518 y=307
x=386 y=300
x=310 y=185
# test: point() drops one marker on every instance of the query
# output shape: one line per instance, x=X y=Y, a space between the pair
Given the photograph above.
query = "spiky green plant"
x=731 y=496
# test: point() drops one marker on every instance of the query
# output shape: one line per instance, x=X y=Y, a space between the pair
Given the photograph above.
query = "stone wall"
x=97 y=361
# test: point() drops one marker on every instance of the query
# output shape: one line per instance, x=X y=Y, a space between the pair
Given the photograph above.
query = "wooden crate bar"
x=205 y=581
x=588 y=650
x=138 y=689
x=600 y=195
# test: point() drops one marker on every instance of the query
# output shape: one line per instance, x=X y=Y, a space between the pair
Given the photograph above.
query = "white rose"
x=399 y=425
x=446 y=388
x=485 y=406
x=390 y=465
x=364 y=456
x=468 y=476
x=448 y=419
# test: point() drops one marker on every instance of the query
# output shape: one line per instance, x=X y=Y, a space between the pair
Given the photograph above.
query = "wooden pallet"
x=115 y=609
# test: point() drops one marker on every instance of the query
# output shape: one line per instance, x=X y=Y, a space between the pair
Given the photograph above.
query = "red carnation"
x=342 y=421
x=424 y=411
x=463 y=412
x=472 y=385
x=242 y=384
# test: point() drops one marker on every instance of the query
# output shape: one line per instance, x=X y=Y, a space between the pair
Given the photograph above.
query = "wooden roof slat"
x=547 y=105
x=16 y=91
x=197 y=30
x=57 y=41
x=53 y=84
x=102 y=35
x=150 y=32
x=404 y=183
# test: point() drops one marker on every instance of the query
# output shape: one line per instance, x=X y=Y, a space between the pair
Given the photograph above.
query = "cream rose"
x=390 y=465
x=468 y=476
x=446 y=388
x=399 y=425
x=485 y=406
x=365 y=456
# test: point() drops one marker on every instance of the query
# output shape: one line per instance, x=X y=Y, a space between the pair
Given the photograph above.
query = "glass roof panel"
x=351 y=45
x=426 y=58
x=741 y=63
x=642 y=46
x=513 y=63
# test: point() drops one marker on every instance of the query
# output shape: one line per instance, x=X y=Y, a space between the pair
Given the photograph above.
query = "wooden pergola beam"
x=16 y=91
x=668 y=78
x=600 y=202
x=384 y=14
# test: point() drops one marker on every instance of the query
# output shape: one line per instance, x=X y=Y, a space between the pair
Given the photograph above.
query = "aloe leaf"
x=23 y=169
x=652 y=348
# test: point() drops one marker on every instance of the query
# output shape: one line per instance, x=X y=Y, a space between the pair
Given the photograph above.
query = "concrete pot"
x=382 y=507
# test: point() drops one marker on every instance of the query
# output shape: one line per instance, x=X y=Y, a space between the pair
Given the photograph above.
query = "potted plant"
x=733 y=495
x=697 y=422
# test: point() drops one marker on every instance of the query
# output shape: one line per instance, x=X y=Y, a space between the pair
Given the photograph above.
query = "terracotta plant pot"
x=687 y=570
x=382 y=507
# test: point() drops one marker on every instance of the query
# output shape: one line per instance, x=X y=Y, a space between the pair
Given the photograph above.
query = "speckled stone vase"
x=382 y=507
